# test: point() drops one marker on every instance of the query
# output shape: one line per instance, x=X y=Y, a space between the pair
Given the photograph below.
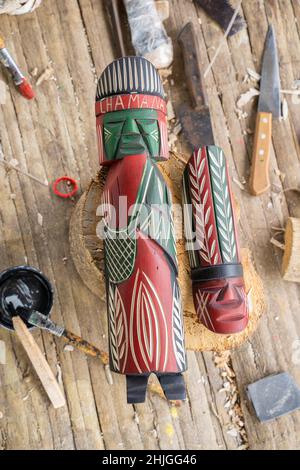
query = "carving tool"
x=274 y=396
x=19 y=80
x=39 y=363
x=268 y=107
x=221 y=11
x=35 y=318
x=195 y=119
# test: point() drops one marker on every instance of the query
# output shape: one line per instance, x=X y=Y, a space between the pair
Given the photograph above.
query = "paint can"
x=23 y=286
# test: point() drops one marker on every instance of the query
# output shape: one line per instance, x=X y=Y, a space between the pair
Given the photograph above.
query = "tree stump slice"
x=291 y=257
x=88 y=255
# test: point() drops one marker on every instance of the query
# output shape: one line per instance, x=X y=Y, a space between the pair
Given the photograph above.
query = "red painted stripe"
x=134 y=101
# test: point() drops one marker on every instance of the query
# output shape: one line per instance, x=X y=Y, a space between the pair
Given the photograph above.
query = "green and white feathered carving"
x=222 y=204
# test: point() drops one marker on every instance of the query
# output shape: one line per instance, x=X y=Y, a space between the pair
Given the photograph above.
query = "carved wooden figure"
x=143 y=298
x=217 y=274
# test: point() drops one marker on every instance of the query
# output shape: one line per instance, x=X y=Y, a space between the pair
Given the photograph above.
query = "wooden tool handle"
x=259 y=177
x=39 y=363
x=85 y=347
x=192 y=65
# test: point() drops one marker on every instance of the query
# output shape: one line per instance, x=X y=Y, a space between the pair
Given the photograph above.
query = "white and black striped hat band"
x=129 y=75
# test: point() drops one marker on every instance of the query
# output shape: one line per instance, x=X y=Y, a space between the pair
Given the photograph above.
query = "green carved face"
x=131 y=132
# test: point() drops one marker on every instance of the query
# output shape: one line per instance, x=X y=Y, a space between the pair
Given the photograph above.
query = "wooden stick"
x=290 y=263
x=39 y=363
x=223 y=39
x=12 y=167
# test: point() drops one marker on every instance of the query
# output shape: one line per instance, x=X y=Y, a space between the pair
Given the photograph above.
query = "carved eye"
x=212 y=290
x=146 y=121
x=112 y=129
x=146 y=125
x=114 y=125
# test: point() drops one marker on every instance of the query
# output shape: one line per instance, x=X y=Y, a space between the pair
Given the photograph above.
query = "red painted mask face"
x=222 y=304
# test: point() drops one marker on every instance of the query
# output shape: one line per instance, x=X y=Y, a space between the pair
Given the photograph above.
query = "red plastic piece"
x=26 y=90
x=73 y=183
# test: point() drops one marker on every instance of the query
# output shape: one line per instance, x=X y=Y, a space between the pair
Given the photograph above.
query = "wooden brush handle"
x=259 y=177
x=85 y=347
x=39 y=363
x=2 y=44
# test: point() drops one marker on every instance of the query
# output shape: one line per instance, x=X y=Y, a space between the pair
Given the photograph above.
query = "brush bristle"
x=26 y=90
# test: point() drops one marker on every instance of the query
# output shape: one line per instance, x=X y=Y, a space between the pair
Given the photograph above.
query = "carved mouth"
x=132 y=148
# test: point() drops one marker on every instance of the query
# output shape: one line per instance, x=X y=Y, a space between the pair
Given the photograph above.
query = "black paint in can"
x=23 y=286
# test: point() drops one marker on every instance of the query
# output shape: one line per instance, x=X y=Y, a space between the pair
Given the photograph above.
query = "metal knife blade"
x=195 y=119
x=269 y=99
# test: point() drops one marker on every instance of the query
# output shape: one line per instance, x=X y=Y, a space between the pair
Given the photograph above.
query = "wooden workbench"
x=55 y=135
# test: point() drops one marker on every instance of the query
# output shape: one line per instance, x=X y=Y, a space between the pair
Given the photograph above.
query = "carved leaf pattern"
x=223 y=209
x=202 y=209
x=151 y=347
x=118 y=329
x=178 y=330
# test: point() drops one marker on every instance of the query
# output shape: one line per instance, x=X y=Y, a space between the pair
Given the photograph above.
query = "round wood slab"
x=88 y=255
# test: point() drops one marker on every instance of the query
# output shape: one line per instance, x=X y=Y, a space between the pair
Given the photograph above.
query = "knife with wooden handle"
x=268 y=108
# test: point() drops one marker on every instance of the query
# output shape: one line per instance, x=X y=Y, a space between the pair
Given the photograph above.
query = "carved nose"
x=227 y=294
x=130 y=127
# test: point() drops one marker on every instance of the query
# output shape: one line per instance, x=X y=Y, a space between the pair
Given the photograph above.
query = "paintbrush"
x=20 y=81
x=35 y=318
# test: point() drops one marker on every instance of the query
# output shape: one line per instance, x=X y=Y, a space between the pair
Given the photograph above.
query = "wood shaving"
x=177 y=129
x=34 y=72
x=2 y=353
x=278 y=229
x=241 y=114
x=254 y=75
x=232 y=406
x=25 y=398
x=284 y=109
x=46 y=75
x=2 y=92
x=290 y=92
x=277 y=243
x=172 y=140
x=246 y=97
x=108 y=375
x=40 y=219
x=239 y=183
x=165 y=73
x=59 y=374
x=280 y=174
